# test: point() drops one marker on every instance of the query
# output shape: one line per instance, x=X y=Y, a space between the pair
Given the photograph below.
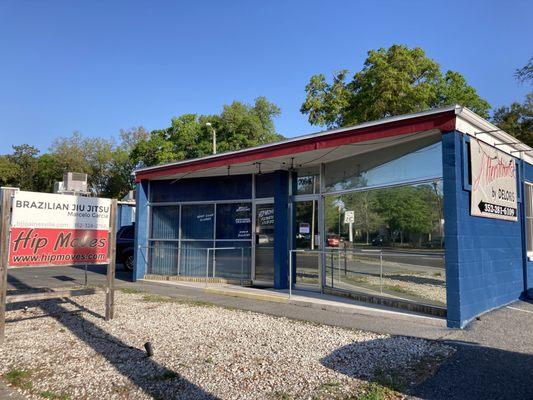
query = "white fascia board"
x=470 y=123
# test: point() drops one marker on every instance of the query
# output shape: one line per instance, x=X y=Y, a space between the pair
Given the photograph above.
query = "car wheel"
x=128 y=262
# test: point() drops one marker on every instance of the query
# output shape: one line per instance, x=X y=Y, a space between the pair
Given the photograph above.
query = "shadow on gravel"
x=473 y=372
x=145 y=373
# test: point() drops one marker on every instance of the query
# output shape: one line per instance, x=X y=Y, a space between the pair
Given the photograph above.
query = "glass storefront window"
x=234 y=221
x=414 y=161
x=197 y=221
x=409 y=216
x=397 y=247
x=264 y=185
x=165 y=222
x=202 y=189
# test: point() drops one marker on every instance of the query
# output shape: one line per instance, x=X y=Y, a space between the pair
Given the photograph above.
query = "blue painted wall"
x=528 y=265
x=484 y=257
x=281 y=229
x=124 y=215
x=141 y=230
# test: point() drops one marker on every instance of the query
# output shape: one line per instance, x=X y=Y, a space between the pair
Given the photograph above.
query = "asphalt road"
x=369 y=263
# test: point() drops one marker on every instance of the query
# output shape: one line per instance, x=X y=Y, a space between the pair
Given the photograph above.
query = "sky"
x=98 y=66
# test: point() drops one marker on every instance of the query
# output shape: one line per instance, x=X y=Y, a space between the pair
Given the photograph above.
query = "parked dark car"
x=125 y=246
x=380 y=241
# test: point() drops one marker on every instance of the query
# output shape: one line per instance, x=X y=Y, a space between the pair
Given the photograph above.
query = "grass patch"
x=165 y=376
x=282 y=396
x=399 y=289
x=155 y=298
x=390 y=379
x=54 y=396
x=131 y=290
x=19 y=378
x=374 y=391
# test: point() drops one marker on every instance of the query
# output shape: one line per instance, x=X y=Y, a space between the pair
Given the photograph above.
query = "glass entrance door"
x=264 y=243
x=306 y=238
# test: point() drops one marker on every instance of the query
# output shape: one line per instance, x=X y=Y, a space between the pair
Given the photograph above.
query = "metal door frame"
x=299 y=199
x=255 y=203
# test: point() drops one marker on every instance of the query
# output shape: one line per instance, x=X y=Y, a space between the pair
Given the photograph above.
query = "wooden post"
x=110 y=292
x=5 y=213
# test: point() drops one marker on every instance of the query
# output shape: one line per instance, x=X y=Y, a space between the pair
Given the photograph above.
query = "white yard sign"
x=494 y=189
x=58 y=211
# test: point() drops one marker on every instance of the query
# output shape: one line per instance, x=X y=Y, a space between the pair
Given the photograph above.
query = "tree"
x=9 y=172
x=366 y=218
x=517 y=119
x=525 y=74
x=393 y=81
x=25 y=157
x=107 y=164
x=50 y=169
x=237 y=126
x=405 y=211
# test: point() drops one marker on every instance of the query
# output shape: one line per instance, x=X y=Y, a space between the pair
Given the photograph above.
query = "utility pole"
x=214 y=132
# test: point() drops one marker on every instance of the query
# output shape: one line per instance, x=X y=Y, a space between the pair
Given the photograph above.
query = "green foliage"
x=238 y=126
x=405 y=210
x=25 y=157
x=19 y=378
x=47 y=394
x=517 y=119
x=107 y=164
x=9 y=172
x=393 y=81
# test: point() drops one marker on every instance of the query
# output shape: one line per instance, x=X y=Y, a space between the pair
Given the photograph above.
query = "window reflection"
x=419 y=160
x=409 y=216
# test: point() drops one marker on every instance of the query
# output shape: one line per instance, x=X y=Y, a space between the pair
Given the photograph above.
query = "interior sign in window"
x=494 y=188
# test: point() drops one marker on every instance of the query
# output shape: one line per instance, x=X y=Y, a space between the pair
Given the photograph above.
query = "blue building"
x=430 y=212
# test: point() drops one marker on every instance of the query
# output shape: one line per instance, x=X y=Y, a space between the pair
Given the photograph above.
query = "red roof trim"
x=444 y=121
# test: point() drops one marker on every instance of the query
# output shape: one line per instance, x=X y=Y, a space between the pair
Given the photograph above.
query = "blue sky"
x=97 y=66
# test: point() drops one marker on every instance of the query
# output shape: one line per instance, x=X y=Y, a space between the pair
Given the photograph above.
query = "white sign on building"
x=494 y=187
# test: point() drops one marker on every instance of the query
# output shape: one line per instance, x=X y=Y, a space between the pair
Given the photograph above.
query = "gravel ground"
x=67 y=351
x=413 y=284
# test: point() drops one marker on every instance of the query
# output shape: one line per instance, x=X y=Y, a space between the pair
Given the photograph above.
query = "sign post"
x=5 y=211
x=110 y=293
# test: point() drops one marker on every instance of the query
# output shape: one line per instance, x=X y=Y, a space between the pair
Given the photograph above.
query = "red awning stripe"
x=444 y=121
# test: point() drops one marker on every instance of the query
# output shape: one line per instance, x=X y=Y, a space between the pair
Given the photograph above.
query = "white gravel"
x=200 y=352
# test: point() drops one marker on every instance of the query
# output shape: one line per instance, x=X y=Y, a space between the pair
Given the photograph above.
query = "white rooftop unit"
x=73 y=183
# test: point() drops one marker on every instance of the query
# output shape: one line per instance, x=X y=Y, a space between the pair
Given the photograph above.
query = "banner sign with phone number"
x=494 y=188
x=52 y=229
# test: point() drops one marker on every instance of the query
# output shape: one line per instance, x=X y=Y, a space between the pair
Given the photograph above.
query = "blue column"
x=452 y=174
x=141 y=231
x=281 y=229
